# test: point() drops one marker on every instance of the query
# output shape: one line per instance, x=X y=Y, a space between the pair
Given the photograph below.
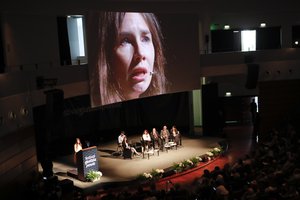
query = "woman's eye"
x=146 y=39
x=125 y=41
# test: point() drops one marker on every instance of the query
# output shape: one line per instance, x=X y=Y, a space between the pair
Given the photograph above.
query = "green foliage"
x=93 y=175
x=154 y=174
x=144 y=176
x=195 y=160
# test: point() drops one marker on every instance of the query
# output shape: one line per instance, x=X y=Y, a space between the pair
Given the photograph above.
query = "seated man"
x=120 y=140
x=146 y=139
x=164 y=135
x=121 y=137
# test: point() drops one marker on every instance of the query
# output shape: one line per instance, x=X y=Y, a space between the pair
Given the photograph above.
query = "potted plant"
x=93 y=176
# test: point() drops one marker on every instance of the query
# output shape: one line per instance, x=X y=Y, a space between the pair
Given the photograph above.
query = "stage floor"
x=116 y=170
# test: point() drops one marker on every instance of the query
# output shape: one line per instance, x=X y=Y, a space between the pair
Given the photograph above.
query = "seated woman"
x=146 y=139
x=156 y=140
x=175 y=135
x=127 y=146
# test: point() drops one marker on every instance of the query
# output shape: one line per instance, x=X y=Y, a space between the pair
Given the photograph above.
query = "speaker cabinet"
x=252 y=76
x=210 y=109
x=54 y=104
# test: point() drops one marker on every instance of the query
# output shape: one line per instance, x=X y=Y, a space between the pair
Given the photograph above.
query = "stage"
x=118 y=171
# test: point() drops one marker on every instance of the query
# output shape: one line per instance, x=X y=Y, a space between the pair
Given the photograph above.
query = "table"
x=150 y=152
x=170 y=145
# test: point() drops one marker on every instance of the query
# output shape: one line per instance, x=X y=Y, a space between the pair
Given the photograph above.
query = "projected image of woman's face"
x=134 y=56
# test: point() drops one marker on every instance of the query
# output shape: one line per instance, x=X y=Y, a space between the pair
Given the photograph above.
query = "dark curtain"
x=105 y=123
x=268 y=38
x=63 y=39
x=2 y=63
x=170 y=109
x=223 y=41
x=295 y=36
x=136 y=115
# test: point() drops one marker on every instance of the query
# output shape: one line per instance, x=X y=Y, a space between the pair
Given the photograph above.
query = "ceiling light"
x=262 y=25
x=228 y=94
x=226 y=27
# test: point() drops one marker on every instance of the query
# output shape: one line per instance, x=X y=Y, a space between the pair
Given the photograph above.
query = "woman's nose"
x=139 y=52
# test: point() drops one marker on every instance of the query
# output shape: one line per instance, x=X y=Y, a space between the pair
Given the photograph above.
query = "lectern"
x=87 y=160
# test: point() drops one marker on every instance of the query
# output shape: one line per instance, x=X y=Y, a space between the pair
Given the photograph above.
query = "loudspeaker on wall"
x=252 y=75
x=54 y=103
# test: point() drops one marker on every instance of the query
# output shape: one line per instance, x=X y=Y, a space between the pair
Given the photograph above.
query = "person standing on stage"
x=77 y=148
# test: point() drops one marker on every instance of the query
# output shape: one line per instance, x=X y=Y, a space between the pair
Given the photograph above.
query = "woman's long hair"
x=109 y=24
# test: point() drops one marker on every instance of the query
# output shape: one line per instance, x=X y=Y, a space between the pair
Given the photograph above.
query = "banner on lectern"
x=87 y=160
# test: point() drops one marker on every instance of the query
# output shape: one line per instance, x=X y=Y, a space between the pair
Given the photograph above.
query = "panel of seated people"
x=164 y=139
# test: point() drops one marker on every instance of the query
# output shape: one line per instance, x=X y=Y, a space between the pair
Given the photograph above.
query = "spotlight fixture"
x=24 y=111
x=12 y=115
x=296 y=42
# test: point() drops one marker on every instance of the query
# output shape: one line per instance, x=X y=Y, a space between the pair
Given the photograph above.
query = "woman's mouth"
x=138 y=74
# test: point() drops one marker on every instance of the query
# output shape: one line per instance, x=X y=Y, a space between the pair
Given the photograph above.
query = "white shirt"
x=77 y=147
x=146 y=137
x=121 y=138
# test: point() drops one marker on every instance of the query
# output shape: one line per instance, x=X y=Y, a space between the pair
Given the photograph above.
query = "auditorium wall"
x=18 y=163
x=31 y=50
x=279 y=104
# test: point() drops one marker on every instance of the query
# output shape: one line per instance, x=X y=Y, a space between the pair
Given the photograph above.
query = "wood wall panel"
x=18 y=162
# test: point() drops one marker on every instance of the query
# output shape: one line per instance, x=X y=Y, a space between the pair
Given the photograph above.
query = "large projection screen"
x=133 y=55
